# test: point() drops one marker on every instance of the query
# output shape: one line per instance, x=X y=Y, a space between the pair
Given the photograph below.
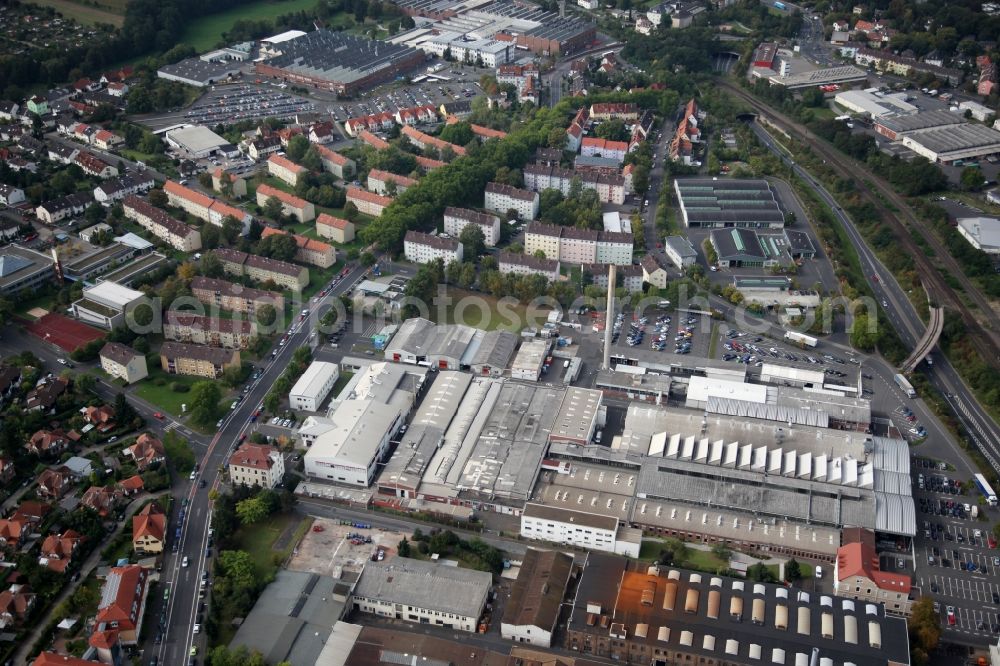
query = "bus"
x=986 y=489
x=902 y=383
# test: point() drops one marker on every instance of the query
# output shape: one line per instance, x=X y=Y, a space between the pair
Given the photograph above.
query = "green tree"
x=793 y=571
x=94 y=214
x=158 y=198
x=231 y=229
x=862 y=335
x=178 y=451
x=473 y=241
x=252 y=510
x=404 y=548
x=972 y=179
x=211 y=265
x=297 y=147
x=272 y=208
x=210 y=236
x=367 y=259
x=924 y=625
x=205 y=397
x=237 y=566
x=266 y=315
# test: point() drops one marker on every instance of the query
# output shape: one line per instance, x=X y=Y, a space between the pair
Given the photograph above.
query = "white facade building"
x=501 y=198
x=456 y=219
x=578 y=528
x=680 y=251
x=313 y=386
x=350 y=452
x=421 y=248
x=983 y=233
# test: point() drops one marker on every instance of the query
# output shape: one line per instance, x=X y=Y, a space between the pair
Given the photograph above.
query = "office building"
x=579 y=528
x=313 y=386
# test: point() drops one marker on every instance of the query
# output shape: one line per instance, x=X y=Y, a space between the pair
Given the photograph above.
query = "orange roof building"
x=336 y=229
x=58 y=550
x=55 y=659
x=311 y=251
x=292 y=205
x=123 y=603
x=858 y=576
x=149 y=528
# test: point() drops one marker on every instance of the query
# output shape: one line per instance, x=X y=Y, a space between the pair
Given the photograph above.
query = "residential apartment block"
x=256 y=465
x=366 y=202
x=340 y=166
x=116 y=189
x=594 y=147
x=263 y=269
x=171 y=231
x=523 y=264
x=336 y=229
x=198 y=360
x=62 y=208
x=614 y=111
x=423 y=141
x=201 y=206
x=212 y=331
x=299 y=208
x=237 y=183
x=422 y=248
x=378 y=182
x=284 y=169
x=579 y=246
x=310 y=251
x=456 y=219
x=234 y=297
x=610 y=188
x=501 y=198
x=122 y=361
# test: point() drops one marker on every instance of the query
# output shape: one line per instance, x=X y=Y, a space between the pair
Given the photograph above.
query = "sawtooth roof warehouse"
x=339 y=62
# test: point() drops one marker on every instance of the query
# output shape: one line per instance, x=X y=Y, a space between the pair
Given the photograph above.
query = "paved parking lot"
x=332 y=550
x=667 y=329
x=463 y=85
x=945 y=547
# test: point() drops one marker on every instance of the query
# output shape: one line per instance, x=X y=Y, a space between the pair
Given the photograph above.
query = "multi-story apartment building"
x=263 y=146
x=256 y=465
x=614 y=247
x=501 y=198
x=456 y=219
x=610 y=188
x=121 y=609
x=366 y=202
x=202 y=206
x=237 y=183
x=336 y=229
x=297 y=207
x=198 y=360
x=340 y=166
x=523 y=264
x=122 y=361
x=310 y=251
x=422 y=140
x=116 y=189
x=614 y=111
x=234 y=297
x=592 y=146
x=212 y=331
x=378 y=182
x=264 y=269
x=544 y=237
x=284 y=169
x=171 y=231
x=578 y=246
x=422 y=248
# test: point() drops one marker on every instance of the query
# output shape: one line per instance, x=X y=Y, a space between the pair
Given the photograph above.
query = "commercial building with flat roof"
x=819 y=77
x=633 y=613
x=529 y=360
x=874 y=105
x=957 y=142
x=338 y=61
x=313 y=386
x=197 y=141
x=294 y=617
x=197 y=72
x=895 y=127
x=423 y=592
x=22 y=269
x=728 y=202
x=569 y=526
x=983 y=233
x=105 y=304
x=680 y=251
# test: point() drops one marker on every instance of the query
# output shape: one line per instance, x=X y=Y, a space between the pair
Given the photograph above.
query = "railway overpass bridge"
x=926 y=342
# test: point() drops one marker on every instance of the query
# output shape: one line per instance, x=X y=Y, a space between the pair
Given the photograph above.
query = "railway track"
x=985 y=337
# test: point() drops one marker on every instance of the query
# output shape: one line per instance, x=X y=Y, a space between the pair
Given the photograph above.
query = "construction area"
x=332 y=549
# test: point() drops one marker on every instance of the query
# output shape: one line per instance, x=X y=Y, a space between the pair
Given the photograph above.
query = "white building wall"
x=421 y=254
x=415 y=614
x=614 y=253
x=567 y=533
x=526 y=633
x=310 y=397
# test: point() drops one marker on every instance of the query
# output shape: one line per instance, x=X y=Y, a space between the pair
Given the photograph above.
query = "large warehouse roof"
x=945 y=141
x=920 y=121
x=728 y=201
x=196 y=139
x=425 y=585
x=337 y=56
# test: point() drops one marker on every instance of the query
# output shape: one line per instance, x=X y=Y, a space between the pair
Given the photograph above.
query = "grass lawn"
x=483 y=311
x=205 y=32
x=701 y=560
x=341 y=382
x=259 y=541
x=162 y=396
x=85 y=14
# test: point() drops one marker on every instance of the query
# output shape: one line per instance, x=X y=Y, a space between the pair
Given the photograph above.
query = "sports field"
x=65 y=333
